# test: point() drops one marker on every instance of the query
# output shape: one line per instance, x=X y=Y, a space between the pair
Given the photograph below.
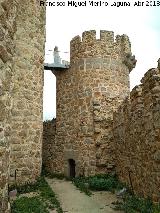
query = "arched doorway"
x=72 y=165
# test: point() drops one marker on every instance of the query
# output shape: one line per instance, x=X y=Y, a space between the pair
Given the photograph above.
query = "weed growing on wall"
x=59 y=176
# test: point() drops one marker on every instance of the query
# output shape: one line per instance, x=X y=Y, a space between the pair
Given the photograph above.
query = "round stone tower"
x=87 y=95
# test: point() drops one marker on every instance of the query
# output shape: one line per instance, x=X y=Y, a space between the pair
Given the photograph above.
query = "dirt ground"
x=74 y=201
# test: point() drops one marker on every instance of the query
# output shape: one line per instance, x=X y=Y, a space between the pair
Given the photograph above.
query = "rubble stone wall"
x=87 y=94
x=49 y=147
x=137 y=137
x=22 y=39
x=27 y=94
x=8 y=11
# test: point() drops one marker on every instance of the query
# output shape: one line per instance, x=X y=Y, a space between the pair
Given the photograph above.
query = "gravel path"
x=74 y=201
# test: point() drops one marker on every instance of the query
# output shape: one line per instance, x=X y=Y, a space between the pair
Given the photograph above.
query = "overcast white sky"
x=141 y=24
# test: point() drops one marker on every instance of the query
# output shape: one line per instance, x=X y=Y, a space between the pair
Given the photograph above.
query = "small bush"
x=102 y=182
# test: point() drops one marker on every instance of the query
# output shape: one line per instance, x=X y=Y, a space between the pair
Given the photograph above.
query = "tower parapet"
x=90 y=47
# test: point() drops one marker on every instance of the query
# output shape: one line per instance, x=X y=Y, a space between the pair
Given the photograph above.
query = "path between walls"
x=74 y=201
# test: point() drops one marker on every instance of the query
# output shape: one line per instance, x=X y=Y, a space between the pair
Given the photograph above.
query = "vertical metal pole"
x=130 y=180
x=15 y=177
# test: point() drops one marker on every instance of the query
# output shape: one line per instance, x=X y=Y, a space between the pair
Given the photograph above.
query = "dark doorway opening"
x=72 y=165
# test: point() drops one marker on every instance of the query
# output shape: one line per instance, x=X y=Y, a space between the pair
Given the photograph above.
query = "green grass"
x=134 y=204
x=129 y=204
x=29 y=205
x=80 y=183
x=46 y=198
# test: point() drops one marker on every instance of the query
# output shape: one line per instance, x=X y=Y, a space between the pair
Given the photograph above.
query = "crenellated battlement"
x=88 y=46
x=150 y=75
x=105 y=36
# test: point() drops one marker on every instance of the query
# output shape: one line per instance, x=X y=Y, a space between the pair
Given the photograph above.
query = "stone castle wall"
x=7 y=51
x=48 y=147
x=87 y=94
x=137 y=137
x=27 y=94
x=21 y=83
